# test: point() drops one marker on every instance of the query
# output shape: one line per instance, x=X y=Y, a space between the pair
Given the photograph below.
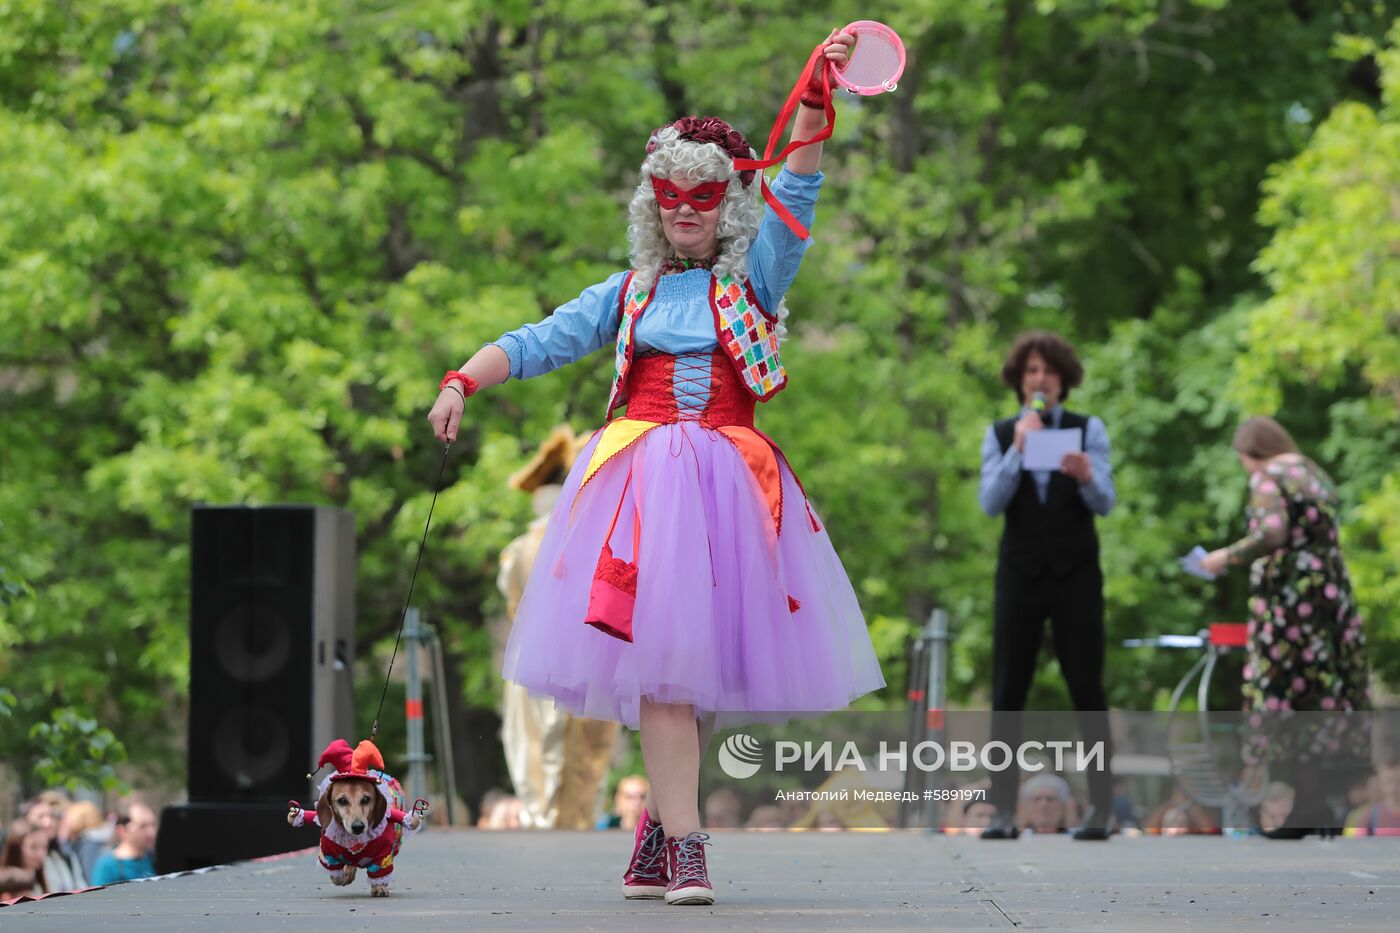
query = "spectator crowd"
x=59 y=845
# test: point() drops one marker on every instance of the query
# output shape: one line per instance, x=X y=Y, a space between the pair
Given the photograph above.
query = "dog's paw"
x=379 y=890
x=343 y=877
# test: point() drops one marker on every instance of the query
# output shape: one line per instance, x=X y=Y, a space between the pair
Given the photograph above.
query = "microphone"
x=1038 y=403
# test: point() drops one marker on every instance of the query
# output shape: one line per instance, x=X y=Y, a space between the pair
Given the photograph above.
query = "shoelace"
x=650 y=854
x=690 y=859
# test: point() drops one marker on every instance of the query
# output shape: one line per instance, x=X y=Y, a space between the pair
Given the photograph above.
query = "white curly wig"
x=670 y=155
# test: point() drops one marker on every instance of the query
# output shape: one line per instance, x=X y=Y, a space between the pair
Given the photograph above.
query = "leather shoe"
x=1097 y=826
x=1003 y=826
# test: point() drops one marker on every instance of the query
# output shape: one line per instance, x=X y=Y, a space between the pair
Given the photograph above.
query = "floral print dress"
x=1306 y=645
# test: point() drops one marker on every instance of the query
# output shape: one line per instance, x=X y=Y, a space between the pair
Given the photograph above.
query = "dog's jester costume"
x=375 y=848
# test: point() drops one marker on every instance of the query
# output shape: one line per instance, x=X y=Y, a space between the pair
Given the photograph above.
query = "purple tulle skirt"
x=712 y=624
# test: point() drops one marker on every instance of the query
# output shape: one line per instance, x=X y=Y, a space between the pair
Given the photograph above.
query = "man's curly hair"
x=1056 y=351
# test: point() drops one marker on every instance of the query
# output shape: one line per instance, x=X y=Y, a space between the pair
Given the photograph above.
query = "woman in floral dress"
x=1307 y=650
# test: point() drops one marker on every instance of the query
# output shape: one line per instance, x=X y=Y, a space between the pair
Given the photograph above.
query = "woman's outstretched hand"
x=446 y=415
x=489 y=366
x=836 y=49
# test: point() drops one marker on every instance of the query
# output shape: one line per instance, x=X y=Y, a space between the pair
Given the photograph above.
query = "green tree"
x=1330 y=331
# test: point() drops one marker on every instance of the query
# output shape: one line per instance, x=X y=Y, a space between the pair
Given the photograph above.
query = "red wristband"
x=818 y=89
x=469 y=385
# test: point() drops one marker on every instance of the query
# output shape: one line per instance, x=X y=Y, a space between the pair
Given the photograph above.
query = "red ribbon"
x=784 y=116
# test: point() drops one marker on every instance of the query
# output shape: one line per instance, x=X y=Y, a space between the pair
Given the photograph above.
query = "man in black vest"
x=1048 y=566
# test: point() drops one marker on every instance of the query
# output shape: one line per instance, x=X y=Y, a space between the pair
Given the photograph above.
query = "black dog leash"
x=407 y=602
x=420 y=805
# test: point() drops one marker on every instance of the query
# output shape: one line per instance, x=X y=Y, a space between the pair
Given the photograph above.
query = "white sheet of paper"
x=1045 y=449
x=1191 y=563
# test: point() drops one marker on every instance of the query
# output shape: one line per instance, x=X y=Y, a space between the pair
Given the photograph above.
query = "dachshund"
x=360 y=812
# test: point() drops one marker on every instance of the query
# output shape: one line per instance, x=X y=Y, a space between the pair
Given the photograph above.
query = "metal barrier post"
x=914 y=727
x=937 y=633
x=447 y=759
x=413 y=706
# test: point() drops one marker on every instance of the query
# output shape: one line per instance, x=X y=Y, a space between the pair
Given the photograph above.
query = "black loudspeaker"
x=272 y=647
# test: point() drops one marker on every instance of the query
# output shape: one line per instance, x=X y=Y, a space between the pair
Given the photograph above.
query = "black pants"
x=1073 y=602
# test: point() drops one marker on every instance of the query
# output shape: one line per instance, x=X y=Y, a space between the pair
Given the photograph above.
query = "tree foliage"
x=1329 y=333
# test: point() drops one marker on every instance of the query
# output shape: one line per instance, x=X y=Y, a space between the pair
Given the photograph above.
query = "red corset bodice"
x=694 y=387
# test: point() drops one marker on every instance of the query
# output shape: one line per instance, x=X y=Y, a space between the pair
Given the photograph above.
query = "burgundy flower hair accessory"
x=712 y=130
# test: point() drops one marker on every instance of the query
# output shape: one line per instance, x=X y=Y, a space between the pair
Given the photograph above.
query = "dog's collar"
x=337 y=834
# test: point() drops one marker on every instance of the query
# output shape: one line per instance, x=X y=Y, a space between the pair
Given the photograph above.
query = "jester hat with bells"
x=363 y=762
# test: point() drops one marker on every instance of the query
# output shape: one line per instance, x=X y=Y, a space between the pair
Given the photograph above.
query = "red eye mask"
x=703 y=198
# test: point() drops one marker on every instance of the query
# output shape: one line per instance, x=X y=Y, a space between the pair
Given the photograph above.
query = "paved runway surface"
x=467 y=880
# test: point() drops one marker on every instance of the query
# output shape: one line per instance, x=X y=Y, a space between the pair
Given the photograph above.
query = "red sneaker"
x=647 y=874
x=690 y=878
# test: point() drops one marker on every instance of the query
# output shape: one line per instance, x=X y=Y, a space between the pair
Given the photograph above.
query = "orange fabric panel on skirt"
x=763 y=463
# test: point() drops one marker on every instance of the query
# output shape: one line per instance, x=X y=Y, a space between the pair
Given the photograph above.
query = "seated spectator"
x=766 y=816
x=489 y=801
x=85 y=833
x=1275 y=805
x=968 y=815
x=130 y=859
x=1364 y=792
x=1178 y=815
x=22 y=861
x=723 y=809
x=1075 y=809
x=1045 y=804
x=977 y=816
x=1381 y=818
x=629 y=803
x=794 y=811
x=1123 y=811
x=505 y=813
x=62 y=868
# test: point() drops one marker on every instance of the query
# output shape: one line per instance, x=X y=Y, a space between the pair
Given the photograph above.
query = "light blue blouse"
x=679 y=319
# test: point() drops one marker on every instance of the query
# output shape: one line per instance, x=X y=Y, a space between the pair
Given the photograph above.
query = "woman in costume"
x=1307 y=647
x=685 y=581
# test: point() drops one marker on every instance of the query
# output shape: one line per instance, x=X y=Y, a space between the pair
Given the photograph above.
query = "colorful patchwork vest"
x=747 y=333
